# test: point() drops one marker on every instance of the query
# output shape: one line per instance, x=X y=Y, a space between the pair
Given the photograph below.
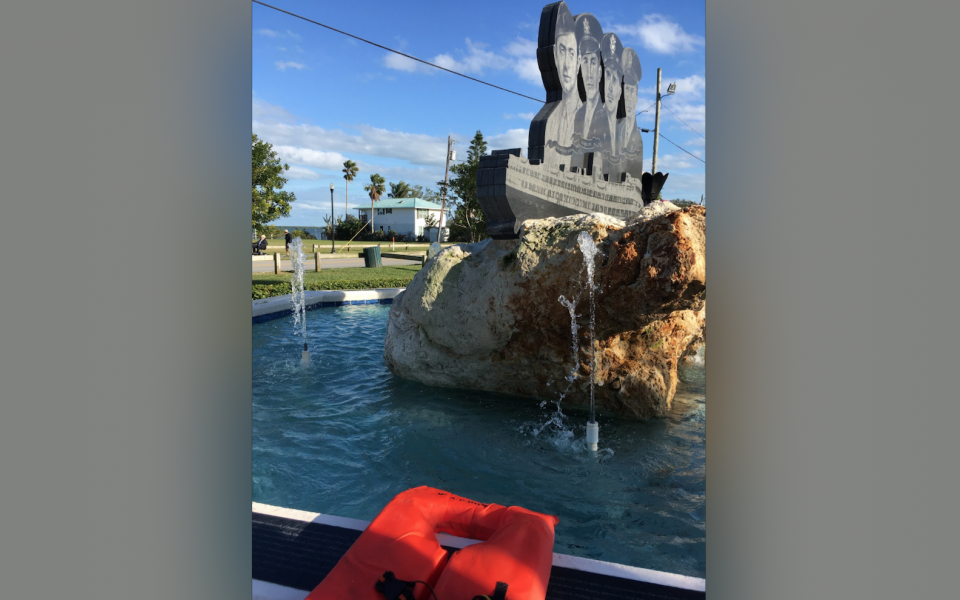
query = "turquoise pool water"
x=343 y=436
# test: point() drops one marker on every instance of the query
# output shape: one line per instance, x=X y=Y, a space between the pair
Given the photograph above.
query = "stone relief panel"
x=588 y=122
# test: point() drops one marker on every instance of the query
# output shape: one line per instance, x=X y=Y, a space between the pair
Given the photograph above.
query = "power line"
x=647 y=108
x=682 y=121
x=395 y=51
x=675 y=144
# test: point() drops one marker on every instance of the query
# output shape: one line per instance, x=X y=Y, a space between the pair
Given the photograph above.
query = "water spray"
x=297 y=297
x=589 y=250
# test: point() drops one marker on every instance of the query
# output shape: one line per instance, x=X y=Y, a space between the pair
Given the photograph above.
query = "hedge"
x=267 y=285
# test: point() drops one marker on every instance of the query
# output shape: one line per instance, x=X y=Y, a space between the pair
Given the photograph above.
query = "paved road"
x=266 y=266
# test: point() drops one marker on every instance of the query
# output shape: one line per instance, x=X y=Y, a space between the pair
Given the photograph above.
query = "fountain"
x=472 y=338
x=299 y=307
x=589 y=250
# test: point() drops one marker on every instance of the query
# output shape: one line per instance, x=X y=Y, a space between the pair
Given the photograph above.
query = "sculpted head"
x=611 y=50
x=565 y=51
x=631 y=78
x=588 y=32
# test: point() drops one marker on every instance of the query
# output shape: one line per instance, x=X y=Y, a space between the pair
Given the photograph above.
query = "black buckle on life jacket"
x=393 y=588
x=499 y=593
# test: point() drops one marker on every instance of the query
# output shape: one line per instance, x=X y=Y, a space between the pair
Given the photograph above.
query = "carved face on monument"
x=590 y=70
x=567 y=57
x=630 y=98
x=611 y=50
x=631 y=78
x=588 y=36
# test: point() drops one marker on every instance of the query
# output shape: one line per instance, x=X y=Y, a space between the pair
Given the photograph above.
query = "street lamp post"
x=333 y=225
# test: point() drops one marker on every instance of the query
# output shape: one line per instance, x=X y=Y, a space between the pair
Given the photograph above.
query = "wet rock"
x=487 y=315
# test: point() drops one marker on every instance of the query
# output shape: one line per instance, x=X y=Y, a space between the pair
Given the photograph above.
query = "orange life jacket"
x=517 y=549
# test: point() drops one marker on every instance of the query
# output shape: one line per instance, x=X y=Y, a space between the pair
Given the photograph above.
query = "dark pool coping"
x=294 y=549
x=278 y=307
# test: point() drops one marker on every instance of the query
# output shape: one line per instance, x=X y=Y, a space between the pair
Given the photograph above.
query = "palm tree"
x=375 y=188
x=401 y=190
x=350 y=169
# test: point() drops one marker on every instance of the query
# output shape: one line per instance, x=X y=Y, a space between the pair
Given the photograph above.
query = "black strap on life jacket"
x=393 y=588
x=499 y=593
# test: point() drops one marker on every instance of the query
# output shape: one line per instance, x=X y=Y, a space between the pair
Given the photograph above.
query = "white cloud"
x=306 y=206
x=423 y=156
x=684 y=185
x=691 y=87
x=289 y=64
x=282 y=49
x=525 y=116
x=666 y=162
x=293 y=35
x=659 y=34
x=476 y=59
x=524 y=53
x=268 y=32
x=312 y=158
x=302 y=173
x=419 y=149
x=520 y=56
x=689 y=112
x=263 y=110
x=512 y=138
x=402 y=63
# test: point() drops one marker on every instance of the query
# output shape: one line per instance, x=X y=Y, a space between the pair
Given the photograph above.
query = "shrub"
x=261 y=291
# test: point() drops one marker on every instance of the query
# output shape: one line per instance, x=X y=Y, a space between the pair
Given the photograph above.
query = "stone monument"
x=495 y=316
x=584 y=153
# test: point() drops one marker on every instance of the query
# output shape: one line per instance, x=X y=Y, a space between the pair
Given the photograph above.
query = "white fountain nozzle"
x=593 y=435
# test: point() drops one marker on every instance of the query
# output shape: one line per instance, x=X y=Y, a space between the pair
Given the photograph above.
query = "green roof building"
x=406 y=216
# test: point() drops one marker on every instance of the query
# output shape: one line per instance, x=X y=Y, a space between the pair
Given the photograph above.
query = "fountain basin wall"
x=487 y=316
x=276 y=307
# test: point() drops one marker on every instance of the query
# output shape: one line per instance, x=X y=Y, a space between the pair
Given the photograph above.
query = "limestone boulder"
x=489 y=316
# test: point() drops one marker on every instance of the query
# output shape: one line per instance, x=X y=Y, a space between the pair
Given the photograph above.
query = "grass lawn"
x=266 y=285
x=355 y=247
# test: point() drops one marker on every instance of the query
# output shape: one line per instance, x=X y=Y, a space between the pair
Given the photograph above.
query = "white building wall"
x=402 y=220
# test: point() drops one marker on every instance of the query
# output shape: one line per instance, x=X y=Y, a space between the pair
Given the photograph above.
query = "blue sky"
x=321 y=97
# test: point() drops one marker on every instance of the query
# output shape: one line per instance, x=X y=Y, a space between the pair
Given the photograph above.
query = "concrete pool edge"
x=271 y=591
x=276 y=307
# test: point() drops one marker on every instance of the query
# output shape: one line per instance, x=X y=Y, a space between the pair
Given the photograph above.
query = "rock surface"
x=487 y=315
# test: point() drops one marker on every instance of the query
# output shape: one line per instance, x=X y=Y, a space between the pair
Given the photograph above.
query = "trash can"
x=371 y=256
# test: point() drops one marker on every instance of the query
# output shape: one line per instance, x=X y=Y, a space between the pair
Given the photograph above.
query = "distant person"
x=260 y=246
x=287 y=238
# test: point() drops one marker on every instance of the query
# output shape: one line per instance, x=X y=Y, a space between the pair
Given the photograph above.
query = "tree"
x=401 y=190
x=375 y=188
x=272 y=232
x=349 y=227
x=350 y=170
x=269 y=202
x=469 y=221
x=431 y=222
x=303 y=234
x=430 y=195
x=427 y=194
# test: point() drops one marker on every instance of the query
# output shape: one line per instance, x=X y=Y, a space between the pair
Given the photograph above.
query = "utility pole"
x=656 y=127
x=446 y=179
